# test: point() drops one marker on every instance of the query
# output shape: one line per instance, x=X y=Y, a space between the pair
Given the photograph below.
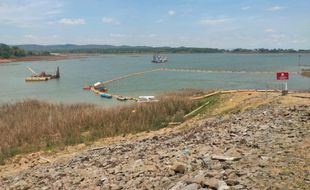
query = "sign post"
x=283 y=76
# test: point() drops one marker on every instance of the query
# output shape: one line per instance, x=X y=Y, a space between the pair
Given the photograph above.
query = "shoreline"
x=179 y=148
x=305 y=72
x=46 y=57
x=64 y=56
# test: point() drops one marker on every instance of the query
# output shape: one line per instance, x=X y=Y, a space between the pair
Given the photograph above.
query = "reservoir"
x=183 y=71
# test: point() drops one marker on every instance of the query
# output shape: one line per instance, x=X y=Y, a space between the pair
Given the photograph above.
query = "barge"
x=43 y=76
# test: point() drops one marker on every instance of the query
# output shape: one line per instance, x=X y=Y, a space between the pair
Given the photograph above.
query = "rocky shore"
x=263 y=148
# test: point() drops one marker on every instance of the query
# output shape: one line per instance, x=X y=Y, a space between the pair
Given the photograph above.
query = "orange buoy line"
x=92 y=88
x=218 y=71
x=130 y=75
x=185 y=70
x=114 y=95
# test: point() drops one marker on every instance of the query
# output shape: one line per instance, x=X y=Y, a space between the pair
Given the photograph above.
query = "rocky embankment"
x=264 y=148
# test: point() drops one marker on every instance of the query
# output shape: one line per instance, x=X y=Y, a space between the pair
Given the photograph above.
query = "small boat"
x=87 y=87
x=159 y=59
x=121 y=98
x=100 y=87
x=147 y=99
x=105 y=95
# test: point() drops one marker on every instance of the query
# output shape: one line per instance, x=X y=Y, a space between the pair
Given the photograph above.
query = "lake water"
x=260 y=73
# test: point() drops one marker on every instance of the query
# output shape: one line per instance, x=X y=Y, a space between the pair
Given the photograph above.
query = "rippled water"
x=223 y=72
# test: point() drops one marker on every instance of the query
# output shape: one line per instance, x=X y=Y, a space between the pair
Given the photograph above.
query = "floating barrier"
x=122 y=98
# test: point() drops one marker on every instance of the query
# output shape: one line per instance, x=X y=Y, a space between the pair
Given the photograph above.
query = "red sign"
x=282 y=75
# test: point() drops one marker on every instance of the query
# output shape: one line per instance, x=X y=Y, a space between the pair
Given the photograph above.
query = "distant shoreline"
x=46 y=57
x=64 y=56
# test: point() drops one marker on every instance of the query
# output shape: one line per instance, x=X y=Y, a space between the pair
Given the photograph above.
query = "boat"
x=121 y=98
x=100 y=87
x=147 y=99
x=105 y=95
x=159 y=59
x=43 y=76
x=87 y=87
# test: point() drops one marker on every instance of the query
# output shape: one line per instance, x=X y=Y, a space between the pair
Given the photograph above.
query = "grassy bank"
x=33 y=125
x=305 y=72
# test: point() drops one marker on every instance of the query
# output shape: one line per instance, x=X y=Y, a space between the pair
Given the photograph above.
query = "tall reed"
x=32 y=125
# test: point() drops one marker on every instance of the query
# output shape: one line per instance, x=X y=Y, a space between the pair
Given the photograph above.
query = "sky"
x=193 y=23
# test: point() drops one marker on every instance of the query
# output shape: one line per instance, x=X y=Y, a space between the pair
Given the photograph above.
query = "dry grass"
x=32 y=125
x=305 y=72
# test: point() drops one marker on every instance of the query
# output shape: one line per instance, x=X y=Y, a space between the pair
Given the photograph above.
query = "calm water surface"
x=86 y=71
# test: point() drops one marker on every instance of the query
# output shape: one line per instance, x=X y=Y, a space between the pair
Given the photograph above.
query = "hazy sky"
x=199 y=23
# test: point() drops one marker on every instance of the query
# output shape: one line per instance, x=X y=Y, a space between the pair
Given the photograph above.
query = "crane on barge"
x=42 y=76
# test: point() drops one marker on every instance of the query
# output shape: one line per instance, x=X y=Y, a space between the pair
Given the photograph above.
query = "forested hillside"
x=10 y=52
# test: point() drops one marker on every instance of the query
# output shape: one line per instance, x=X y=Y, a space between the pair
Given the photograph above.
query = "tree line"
x=11 y=52
x=7 y=52
x=26 y=50
x=109 y=49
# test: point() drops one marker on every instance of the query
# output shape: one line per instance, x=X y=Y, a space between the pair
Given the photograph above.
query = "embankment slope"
x=252 y=141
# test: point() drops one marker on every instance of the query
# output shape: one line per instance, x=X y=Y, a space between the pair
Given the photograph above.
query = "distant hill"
x=93 y=48
x=65 y=47
x=72 y=48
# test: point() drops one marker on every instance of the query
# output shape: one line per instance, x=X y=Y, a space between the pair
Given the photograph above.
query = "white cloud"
x=171 y=12
x=299 y=41
x=117 y=35
x=278 y=38
x=152 y=35
x=213 y=21
x=245 y=8
x=110 y=20
x=29 y=13
x=38 y=39
x=28 y=36
x=72 y=21
x=269 y=30
x=275 y=8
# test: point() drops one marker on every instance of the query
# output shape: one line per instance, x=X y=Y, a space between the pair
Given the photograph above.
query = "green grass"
x=214 y=101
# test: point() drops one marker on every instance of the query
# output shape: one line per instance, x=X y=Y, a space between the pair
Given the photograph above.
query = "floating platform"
x=42 y=76
x=30 y=79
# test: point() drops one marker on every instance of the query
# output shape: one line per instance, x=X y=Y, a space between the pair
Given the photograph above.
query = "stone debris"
x=225 y=158
x=179 y=168
x=256 y=149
